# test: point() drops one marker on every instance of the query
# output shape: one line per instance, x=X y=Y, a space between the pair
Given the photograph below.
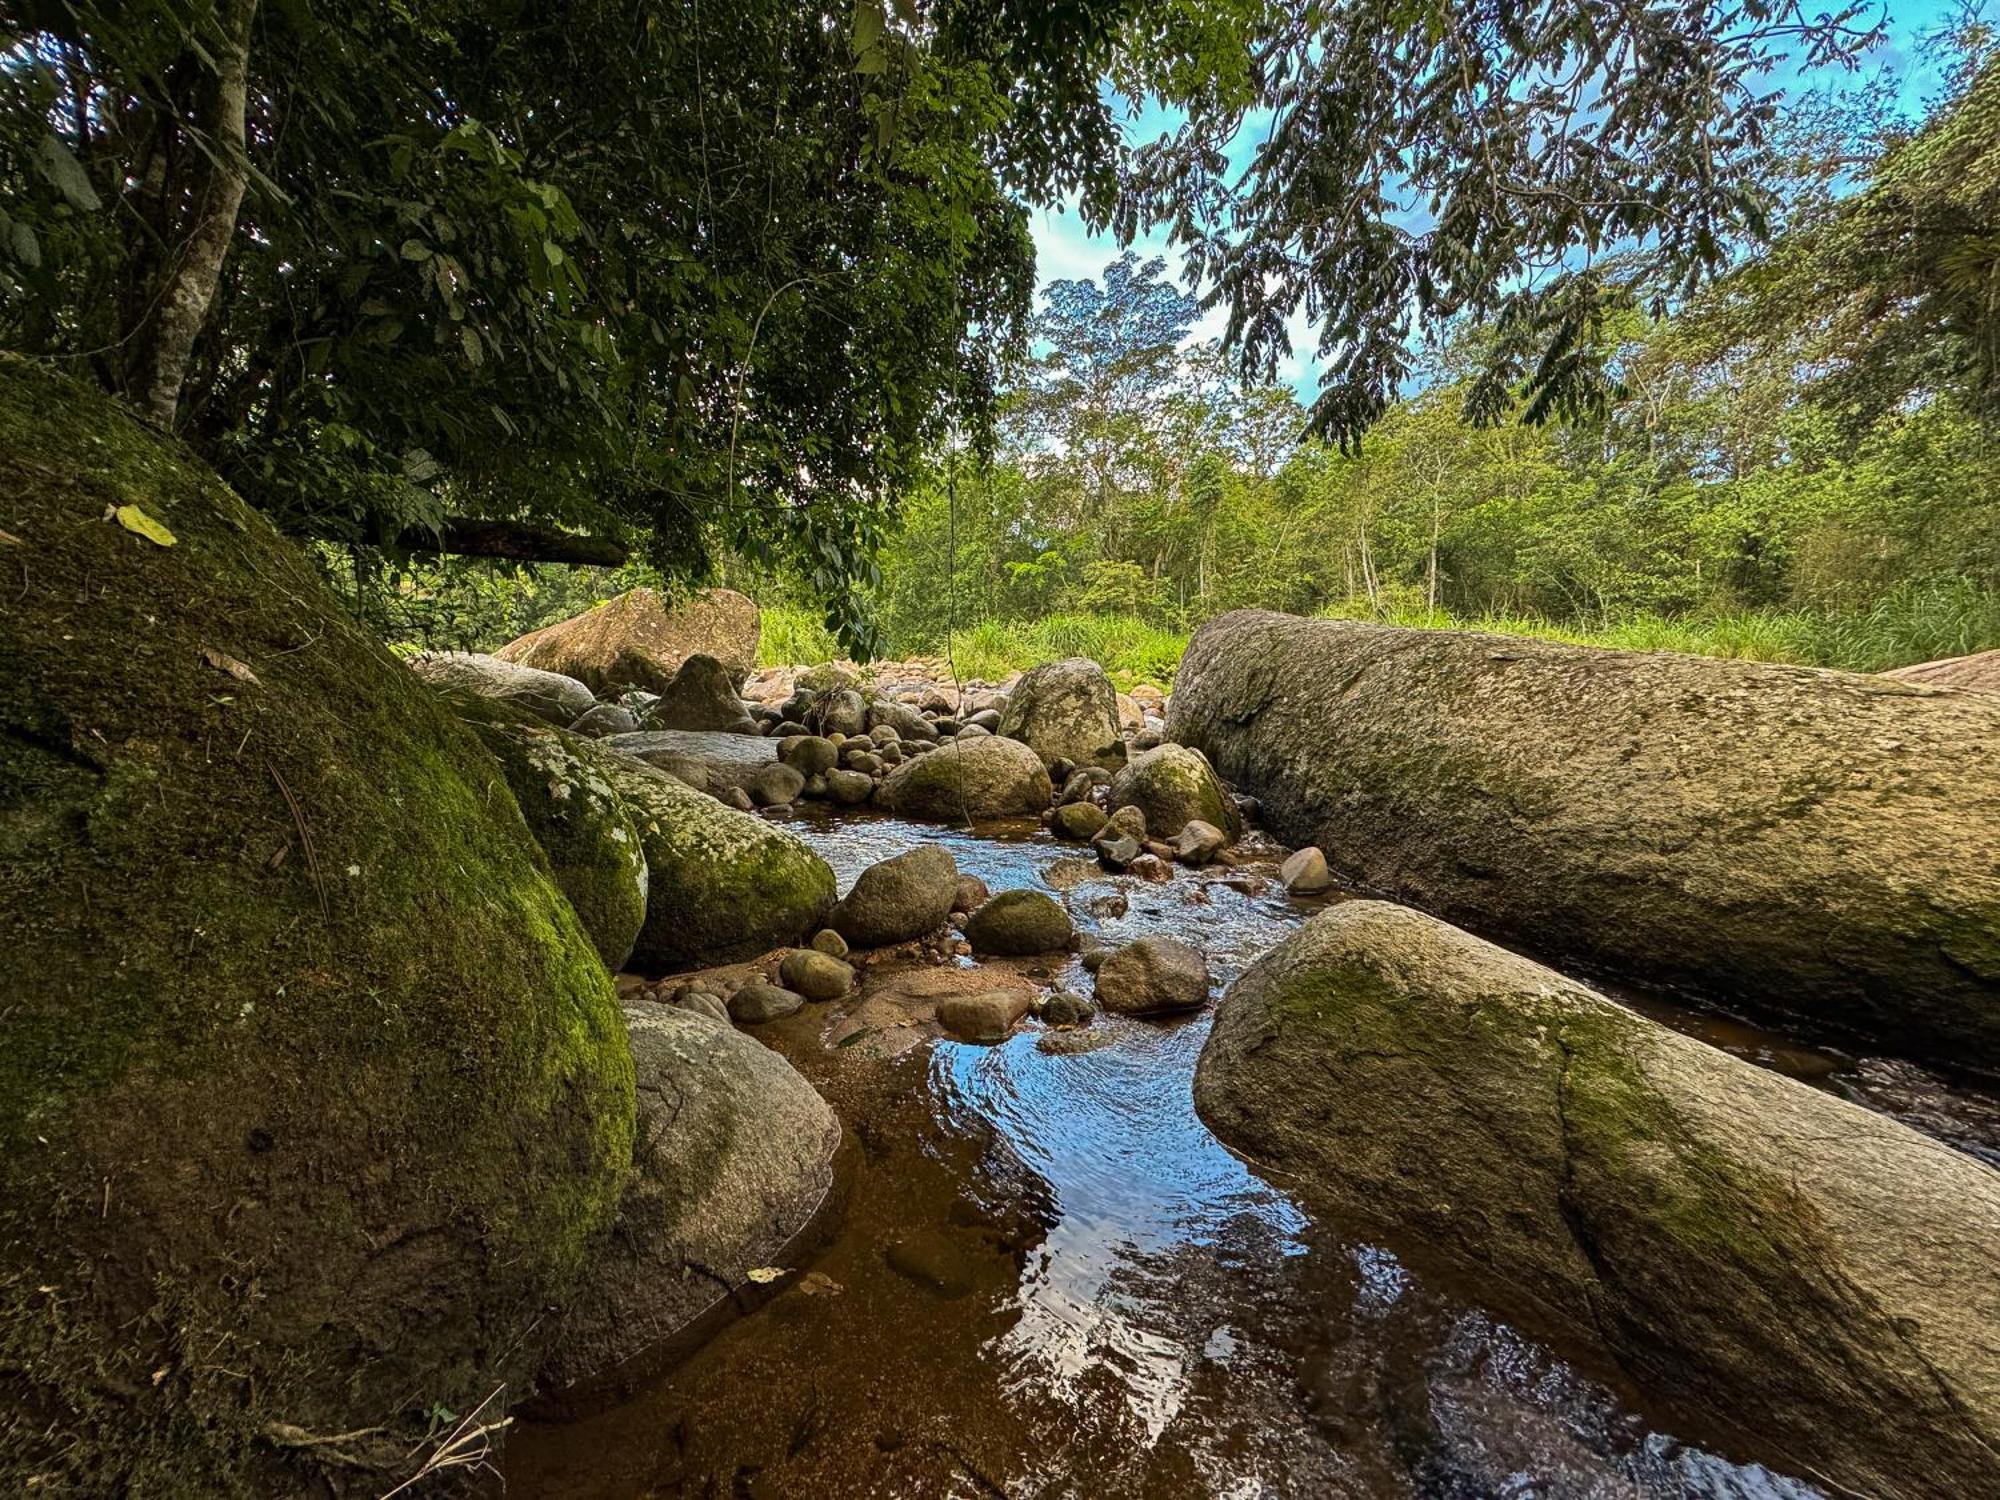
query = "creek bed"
x=1047 y=1278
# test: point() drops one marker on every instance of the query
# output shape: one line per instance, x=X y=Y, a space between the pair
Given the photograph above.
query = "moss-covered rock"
x=1174 y=786
x=313 y=1092
x=722 y=885
x=1812 y=1279
x=1824 y=844
x=549 y=696
x=563 y=785
x=986 y=778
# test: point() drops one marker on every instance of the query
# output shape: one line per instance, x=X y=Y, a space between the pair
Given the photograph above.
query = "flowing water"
x=1048 y=1279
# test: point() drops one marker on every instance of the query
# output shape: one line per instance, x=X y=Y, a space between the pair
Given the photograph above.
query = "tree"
x=1439 y=160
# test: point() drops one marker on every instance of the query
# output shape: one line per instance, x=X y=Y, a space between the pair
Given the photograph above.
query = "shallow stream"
x=1046 y=1278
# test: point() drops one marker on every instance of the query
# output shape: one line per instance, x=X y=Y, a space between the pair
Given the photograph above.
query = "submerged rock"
x=985 y=778
x=563 y=786
x=1788 y=839
x=738 y=1157
x=549 y=696
x=313 y=1093
x=1065 y=710
x=1818 y=1278
x=635 y=640
x=899 y=898
x=722 y=885
x=1173 y=785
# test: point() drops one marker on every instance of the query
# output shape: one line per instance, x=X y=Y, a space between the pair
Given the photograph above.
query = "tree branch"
x=523 y=541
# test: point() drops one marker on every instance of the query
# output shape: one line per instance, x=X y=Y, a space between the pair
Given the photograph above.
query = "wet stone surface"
x=1048 y=1279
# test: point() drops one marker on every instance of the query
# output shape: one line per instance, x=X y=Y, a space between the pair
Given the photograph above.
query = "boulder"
x=549 y=696
x=313 y=1092
x=816 y=975
x=722 y=885
x=1065 y=710
x=775 y=786
x=563 y=786
x=899 y=898
x=700 y=696
x=603 y=719
x=738 y=1159
x=1198 y=843
x=987 y=778
x=969 y=893
x=756 y=1002
x=1173 y=785
x=987 y=1016
x=1305 y=873
x=1979 y=673
x=906 y=721
x=1080 y=822
x=636 y=640
x=1781 y=838
x=709 y=761
x=840 y=711
x=1066 y=1008
x=1817 y=1279
x=849 y=788
x=1153 y=975
x=809 y=754
x=1017 y=923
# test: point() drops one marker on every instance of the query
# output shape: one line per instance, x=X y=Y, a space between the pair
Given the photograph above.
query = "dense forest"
x=1794 y=463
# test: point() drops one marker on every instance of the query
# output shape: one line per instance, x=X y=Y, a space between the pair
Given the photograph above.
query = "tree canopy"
x=702 y=280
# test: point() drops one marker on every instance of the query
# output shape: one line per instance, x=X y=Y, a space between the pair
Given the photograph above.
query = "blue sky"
x=1066 y=250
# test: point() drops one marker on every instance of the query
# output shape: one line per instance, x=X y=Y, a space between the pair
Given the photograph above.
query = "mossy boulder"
x=1018 y=923
x=983 y=778
x=1784 y=839
x=1794 y=1272
x=313 y=1092
x=722 y=885
x=1174 y=786
x=563 y=785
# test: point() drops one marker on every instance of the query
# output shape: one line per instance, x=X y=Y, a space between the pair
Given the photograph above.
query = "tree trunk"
x=187 y=288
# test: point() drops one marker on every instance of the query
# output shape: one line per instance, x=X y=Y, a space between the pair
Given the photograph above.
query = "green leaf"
x=27 y=249
x=416 y=250
x=869 y=21
x=66 y=173
x=468 y=340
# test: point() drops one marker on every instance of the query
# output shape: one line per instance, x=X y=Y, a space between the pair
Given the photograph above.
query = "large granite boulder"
x=1174 y=786
x=983 y=778
x=1776 y=1262
x=1979 y=673
x=1781 y=838
x=637 y=641
x=313 y=1092
x=721 y=885
x=899 y=898
x=563 y=786
x=1066 y=710
x=735 y=1159
x=549 y=696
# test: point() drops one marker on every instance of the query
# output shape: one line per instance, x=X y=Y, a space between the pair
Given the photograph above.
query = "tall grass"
x=1918 y=622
